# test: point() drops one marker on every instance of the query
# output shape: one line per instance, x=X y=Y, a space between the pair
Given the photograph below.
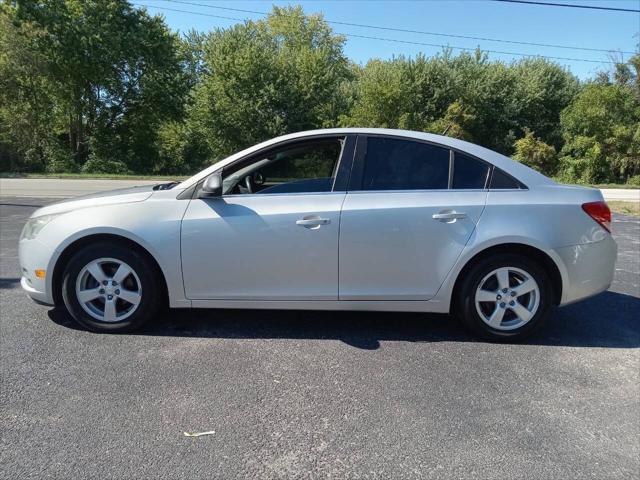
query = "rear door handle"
x=449 y=216
x=313 y=221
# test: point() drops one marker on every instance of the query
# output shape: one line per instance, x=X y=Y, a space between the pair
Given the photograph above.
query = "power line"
x=570 y=5
x=404 y=30
x=453 y=47
x=189 y=11
x=472 y=49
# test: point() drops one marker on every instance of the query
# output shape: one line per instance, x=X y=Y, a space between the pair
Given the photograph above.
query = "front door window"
x=308 y=168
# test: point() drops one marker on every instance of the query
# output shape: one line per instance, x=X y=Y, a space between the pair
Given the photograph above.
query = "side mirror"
x=212 y=186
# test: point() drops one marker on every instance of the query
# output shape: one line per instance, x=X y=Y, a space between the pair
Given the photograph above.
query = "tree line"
x=105 y=87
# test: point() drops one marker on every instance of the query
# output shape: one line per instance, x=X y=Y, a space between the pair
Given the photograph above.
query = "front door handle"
x=313 y=222
x=449 y=216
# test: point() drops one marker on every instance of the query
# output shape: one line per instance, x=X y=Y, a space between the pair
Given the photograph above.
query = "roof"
x=523 y=173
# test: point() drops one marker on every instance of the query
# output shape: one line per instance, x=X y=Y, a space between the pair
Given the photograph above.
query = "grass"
x=600 y=185
x=97 y=176
x=626 y=208
x=614 y=185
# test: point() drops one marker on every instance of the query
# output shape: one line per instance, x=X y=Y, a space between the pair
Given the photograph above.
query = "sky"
x=574 y=27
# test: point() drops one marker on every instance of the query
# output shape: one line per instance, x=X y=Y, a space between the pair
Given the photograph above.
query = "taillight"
x=600 y=212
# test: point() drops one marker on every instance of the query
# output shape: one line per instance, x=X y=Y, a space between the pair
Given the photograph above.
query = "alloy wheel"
x=507 y=298
x=108 y=289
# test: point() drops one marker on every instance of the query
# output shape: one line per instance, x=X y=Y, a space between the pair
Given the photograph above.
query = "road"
x=60 y=188
x=621 y=194
x=319 y=395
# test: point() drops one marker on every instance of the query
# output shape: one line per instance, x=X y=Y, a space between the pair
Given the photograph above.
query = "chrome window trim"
x=422 y=190
x=263 y=195
x=508 y=190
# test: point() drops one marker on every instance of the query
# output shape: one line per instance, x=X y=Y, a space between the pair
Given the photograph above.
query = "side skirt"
x=430 y=306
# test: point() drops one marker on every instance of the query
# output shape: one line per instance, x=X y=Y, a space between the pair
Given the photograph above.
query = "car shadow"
x=609 y=320
x=9 y=283
x=2 y=204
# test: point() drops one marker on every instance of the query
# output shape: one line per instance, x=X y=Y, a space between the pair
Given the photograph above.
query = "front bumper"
x=35 y=255
x=589 y=269
x=36 y=296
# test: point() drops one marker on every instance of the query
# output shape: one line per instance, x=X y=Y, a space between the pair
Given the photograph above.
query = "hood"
x=109 y=197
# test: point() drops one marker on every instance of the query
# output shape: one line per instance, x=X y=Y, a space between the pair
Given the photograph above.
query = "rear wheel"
x=109 y=287
x=506 y=297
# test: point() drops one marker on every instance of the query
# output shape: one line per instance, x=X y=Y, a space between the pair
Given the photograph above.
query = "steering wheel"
x=253 y=180
x=248 y=183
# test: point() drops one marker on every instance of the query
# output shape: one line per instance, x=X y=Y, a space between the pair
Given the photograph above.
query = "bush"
x=100 y=165
x=635 y=181
x=536 y=154
x=456 y=123
x=586 y=165
x=32 y=161
x=59 y=160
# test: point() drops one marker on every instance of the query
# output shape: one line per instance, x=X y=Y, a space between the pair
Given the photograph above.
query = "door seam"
x=453 y=266
x=339 y=230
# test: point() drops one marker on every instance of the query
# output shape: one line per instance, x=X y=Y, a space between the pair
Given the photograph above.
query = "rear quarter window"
x=503 y=181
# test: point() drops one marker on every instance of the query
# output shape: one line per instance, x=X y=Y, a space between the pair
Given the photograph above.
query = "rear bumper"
x=589 y=269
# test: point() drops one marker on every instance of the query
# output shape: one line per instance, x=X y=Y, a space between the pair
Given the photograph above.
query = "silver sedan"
x=340 y=219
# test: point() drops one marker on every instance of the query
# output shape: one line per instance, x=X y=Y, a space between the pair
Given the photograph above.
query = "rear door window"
x=393 y=164
x=469 y=172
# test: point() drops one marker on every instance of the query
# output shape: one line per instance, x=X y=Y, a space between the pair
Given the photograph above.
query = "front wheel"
x=506 y=297
x=109 y=287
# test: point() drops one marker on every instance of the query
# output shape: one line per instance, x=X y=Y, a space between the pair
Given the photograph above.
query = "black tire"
x=465 y=305
x=151 y=293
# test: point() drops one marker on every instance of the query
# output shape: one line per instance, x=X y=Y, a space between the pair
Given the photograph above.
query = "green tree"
x=543 y=90
x=28 y=123
x=382 y=96
x=602 y=133
x=267 y=78
x=489 y=89
x=114 y=71
x=494 y=101
x=456 y=123
x=102 y=86
x=191 y=50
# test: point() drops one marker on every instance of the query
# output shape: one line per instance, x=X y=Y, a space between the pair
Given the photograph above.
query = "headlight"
x=34 y=225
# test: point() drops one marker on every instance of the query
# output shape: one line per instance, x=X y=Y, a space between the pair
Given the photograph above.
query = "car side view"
x=339 y=219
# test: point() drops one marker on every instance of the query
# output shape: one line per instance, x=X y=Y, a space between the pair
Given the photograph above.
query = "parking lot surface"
x=319 y=394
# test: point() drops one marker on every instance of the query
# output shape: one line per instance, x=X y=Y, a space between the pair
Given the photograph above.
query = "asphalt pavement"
x=293 y=394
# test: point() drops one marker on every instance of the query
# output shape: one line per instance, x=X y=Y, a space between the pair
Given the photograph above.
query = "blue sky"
x=479 y=18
